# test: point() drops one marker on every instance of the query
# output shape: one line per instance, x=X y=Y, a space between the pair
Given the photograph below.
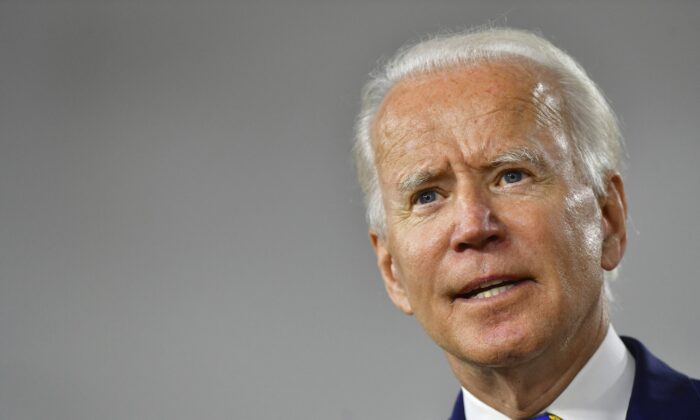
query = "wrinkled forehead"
x=418 y=103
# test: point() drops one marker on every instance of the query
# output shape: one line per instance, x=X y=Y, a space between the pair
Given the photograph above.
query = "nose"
x=476 y=226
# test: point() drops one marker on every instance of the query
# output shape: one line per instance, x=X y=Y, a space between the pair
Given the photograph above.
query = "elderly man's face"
x=492 y=239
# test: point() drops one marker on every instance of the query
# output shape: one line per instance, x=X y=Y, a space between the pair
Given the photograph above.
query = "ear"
x=392 y=281
x=614 y=217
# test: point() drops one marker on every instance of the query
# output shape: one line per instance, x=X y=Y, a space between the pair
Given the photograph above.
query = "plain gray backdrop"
x=181 y=234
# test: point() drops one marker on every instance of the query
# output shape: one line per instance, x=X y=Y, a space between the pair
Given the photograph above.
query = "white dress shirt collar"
x=600 y=391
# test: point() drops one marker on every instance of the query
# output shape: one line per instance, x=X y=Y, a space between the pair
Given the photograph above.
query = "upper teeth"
x=493 y=292
x=490 y=283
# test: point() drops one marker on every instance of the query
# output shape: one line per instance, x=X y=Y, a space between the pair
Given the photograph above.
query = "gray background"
x=181 y=235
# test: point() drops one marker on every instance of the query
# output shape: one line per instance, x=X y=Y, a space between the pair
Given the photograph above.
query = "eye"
x=427 y=197
x=512 y=176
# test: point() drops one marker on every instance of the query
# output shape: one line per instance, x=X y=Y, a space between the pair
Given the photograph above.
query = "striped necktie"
x=546 y=416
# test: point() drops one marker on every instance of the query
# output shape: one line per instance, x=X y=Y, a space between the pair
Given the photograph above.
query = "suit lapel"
x=458 y=410
x=659 y=392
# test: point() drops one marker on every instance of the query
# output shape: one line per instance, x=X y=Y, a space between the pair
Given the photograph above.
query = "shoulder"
x=660 y=391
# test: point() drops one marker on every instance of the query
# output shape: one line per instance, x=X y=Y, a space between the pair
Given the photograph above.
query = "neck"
x=523 y=390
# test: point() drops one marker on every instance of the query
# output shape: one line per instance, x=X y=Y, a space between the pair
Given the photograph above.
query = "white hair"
x=591 y=124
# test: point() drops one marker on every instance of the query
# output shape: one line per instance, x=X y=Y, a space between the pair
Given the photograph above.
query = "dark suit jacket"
x=659 y=392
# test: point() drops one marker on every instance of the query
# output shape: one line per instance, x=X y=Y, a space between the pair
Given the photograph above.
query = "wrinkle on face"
x=549 y=111
x=519 y=87
x=408 y=132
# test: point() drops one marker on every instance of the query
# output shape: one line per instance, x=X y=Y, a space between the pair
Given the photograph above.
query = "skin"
x=478 y=182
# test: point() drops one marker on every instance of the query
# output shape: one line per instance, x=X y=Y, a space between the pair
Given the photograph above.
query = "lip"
x=479 y=283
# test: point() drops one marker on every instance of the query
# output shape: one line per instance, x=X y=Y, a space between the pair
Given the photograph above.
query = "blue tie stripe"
x=546 y=416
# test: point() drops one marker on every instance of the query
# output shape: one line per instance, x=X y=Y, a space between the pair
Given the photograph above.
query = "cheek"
x=535 y=231
x=571 y=227
x=583 y=228
x=421 y=250
x=581 y=248
x=562 y=237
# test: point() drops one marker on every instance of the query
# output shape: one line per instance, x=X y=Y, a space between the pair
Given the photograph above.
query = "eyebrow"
x=414 y=180
x=520 y=155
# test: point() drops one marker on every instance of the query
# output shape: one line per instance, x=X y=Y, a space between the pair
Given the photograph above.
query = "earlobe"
x=392 y=280
x=614 y=218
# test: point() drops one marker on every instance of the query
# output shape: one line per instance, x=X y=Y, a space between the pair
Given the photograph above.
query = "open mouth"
x=490 y=289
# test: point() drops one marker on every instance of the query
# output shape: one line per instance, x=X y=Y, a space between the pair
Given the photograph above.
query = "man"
x=490 y=163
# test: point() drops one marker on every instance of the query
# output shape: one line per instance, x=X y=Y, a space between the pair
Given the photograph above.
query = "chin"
x=499 y=347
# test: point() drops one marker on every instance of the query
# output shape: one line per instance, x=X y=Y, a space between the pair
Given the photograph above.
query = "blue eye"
x=427 y=197
x=512 y=177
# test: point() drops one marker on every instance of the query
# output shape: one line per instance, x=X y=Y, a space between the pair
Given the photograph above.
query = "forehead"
x=503 y=96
